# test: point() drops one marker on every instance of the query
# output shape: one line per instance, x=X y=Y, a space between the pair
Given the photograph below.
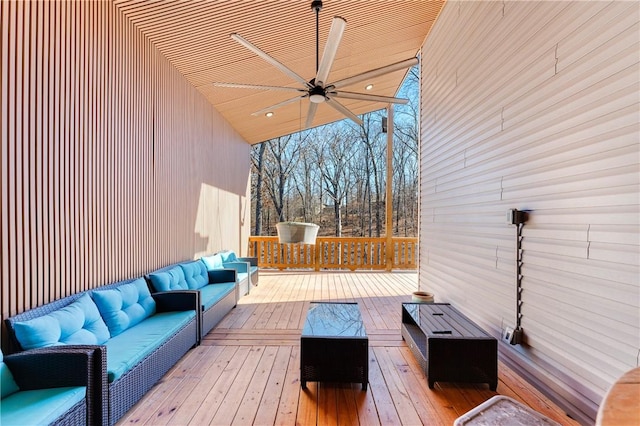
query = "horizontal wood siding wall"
x=112 y=164
x=534 y=106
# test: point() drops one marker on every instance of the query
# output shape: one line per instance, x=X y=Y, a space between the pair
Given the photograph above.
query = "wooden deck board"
x=246 y=371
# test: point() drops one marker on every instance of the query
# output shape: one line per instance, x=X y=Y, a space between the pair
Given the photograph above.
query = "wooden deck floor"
x=247 y=369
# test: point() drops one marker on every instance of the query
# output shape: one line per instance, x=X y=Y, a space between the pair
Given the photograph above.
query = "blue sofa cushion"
x=125 y=306
x=171 y=279
x=127 y=349
x=39 y=407
x=78 y=323
x=7 y=384
x=213 y=262
x=195 y=274
x=210 y=294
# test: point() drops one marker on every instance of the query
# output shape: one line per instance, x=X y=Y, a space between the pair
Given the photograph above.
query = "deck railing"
x=335 y=253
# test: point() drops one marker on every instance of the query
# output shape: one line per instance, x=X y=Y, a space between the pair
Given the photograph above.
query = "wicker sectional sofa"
x=127 y=335
x=142 y=335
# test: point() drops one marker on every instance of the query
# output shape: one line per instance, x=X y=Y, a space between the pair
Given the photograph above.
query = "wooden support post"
x=389 y=198
x=318 y=248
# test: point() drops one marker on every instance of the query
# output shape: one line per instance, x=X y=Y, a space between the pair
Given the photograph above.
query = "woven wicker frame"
x=48 y=368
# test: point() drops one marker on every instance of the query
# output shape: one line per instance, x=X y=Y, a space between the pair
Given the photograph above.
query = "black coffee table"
x=334 y=346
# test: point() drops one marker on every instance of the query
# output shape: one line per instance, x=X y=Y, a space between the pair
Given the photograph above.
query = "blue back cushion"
x=125 y=306
x=228 y=256
x=195 y=273
x=78 y=323
x=7 y=384
x=213 y=262
x=171 y=279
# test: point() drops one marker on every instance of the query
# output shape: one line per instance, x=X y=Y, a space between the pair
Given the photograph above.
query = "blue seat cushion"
x=7 y=384
x=39 y=407
x=78 y=323
x=242 y=276
x=211 y=293
x=125 y=306
x=195 y=274
x=170 y=279
x=130 y=347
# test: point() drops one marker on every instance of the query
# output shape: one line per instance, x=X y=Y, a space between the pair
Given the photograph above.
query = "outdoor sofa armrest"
x=253 y=261
x=53 y=366
x=238 y=266
x=63 y=366
x=227 y=275
x=177 y=300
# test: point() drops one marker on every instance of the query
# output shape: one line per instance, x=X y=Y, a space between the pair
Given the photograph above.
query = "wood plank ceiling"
x=195 y=37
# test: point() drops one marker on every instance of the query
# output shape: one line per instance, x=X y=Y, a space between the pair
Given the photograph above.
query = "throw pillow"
x=213 y=262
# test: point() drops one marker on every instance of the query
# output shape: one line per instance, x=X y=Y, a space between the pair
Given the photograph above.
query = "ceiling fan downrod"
x=316 y=5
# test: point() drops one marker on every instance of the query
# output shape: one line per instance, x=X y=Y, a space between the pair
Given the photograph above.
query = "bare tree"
x=334 y=156
x=277 y=171
x=370 y=136
x=257 y=161
x=307 y=177
x=406 y=132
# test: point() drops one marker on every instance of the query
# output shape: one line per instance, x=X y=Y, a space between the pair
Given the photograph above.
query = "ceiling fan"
x=318 y=90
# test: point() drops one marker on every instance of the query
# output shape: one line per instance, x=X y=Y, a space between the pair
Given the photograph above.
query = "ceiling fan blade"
x=330 y=48
x=258 y=87
x=407 y=63
x=278 y=105
x=342 y=109
x=271 y=60
x=310 y=114
x=367 y=97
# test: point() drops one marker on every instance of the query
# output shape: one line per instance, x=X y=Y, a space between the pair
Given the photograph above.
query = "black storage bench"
x=448 y=345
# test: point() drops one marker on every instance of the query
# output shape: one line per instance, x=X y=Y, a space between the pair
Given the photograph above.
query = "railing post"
x=316 y=254
x=389 y=203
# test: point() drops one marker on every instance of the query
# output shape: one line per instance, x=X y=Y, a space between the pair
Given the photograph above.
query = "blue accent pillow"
x=228 y=256
x=213 y=262
x=78 y=323
x=7 y=384
x=125 y=306
x=195 y=273
x=172 y=279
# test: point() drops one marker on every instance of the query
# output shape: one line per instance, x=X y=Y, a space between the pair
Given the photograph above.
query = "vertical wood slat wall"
x=534 y=105
x=112 y=164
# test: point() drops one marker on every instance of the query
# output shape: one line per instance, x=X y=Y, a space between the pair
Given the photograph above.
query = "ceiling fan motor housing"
x=317 y=95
